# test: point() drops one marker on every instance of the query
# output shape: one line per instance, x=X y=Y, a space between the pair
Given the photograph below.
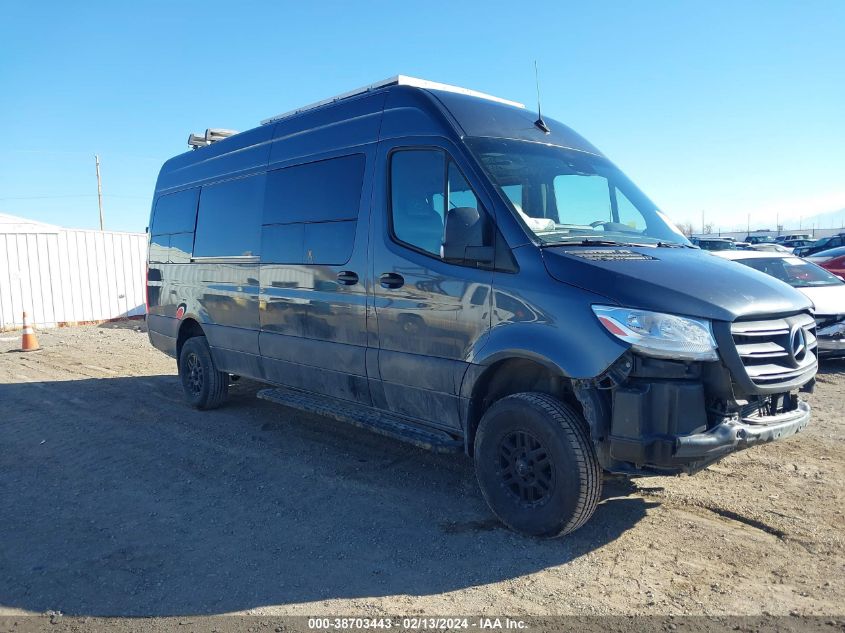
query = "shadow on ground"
x=119 y=500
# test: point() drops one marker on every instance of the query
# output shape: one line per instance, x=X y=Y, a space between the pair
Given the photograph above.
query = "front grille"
x=771 y=351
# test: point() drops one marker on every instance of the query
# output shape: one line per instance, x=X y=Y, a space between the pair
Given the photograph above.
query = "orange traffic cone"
x=29 y=342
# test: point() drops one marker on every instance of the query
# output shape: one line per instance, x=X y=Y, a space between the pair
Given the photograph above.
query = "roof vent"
x=212 y=135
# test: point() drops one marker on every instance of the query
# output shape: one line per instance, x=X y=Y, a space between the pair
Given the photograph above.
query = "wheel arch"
x=188 y=328
x=508 y=374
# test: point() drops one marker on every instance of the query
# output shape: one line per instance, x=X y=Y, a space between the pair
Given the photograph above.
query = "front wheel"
x=536 y=465
x=205 y=387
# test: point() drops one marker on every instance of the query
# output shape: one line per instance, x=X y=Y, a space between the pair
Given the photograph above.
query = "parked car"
x=759 y=239
x=443 y=267
x=822 y=244
x=788 y=237
x=770 y=247
x=823 y=288
x=714 y=243
x=793 y=244
x=832 y=260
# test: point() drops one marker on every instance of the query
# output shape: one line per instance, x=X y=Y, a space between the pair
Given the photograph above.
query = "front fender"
x=539 y=318
x=580 y=354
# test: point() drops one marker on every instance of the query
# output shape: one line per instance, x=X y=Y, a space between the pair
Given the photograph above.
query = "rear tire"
x=205 y=387
x=536 y=465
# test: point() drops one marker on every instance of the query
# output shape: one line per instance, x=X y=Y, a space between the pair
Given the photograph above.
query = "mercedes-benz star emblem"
x=798 y=345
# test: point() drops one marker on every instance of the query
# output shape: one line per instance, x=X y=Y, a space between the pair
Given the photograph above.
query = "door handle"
x=391 y=280
x=347 y=277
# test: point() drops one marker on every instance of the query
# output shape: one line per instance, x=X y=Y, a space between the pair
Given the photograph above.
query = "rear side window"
x=325 y=191
x=229 y=218
x=172 y=230
x=175 y=213
x=311 y=212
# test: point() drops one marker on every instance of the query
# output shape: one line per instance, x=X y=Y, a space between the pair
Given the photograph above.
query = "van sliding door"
x=314 y=275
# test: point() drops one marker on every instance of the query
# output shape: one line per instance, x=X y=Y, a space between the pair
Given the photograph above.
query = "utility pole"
x=748 y=225
x=702 y=221
x=99 y=189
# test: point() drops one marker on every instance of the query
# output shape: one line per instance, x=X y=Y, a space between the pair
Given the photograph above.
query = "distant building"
x=65 y=276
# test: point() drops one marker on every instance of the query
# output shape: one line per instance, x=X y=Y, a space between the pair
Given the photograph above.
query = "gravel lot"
x=117 y=499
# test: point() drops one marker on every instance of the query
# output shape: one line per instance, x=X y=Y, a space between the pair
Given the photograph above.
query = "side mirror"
x=463 y=237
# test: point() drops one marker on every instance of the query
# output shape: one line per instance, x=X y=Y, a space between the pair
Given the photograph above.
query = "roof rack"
x=398 y=80
x=212 y=135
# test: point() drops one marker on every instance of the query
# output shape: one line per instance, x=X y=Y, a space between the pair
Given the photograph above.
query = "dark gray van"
x=435 y=265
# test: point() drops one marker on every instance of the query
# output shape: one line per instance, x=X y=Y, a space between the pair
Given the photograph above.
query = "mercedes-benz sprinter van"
x=436 y=265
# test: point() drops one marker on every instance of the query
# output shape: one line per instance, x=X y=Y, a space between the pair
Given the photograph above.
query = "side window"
x=311 y=212
x=229 y=218
x=172 y=229
x=417 y=194
x=424 y=185
x=582 y=199
x=175 y=213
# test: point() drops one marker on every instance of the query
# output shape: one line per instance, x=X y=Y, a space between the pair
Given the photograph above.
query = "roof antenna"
x=540 y=124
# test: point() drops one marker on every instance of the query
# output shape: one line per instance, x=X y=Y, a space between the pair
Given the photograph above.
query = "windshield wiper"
x=591 y=242
x=672 y=245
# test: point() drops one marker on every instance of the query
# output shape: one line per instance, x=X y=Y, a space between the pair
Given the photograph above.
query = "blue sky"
x=730 y=108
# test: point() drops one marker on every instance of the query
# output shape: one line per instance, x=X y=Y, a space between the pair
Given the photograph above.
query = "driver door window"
x=423 y=185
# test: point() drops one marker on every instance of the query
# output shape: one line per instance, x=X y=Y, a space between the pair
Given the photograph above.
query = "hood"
x=829 y=300
x=675 y=280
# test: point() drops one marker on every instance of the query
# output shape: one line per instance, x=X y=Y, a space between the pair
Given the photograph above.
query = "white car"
x=825 y=290
x=769 y=247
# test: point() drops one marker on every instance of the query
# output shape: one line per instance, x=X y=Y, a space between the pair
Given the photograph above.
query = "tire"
x=204 y=385
x=536 y=465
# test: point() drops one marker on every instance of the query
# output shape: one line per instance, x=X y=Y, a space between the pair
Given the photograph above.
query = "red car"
x=832 y=259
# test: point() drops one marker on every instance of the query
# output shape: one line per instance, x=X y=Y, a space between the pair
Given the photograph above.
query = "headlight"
x=660 y=335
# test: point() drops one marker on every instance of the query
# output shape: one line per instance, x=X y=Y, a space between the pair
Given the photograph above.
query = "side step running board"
x=365 y=417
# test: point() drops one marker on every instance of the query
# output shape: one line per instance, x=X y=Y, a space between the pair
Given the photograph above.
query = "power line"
x=80 y=195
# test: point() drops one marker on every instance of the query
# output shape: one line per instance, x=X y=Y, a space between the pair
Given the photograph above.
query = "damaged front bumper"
x=734 y=435
x=668 y=417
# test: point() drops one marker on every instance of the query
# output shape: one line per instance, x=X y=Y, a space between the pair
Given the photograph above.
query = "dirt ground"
x=117 y=499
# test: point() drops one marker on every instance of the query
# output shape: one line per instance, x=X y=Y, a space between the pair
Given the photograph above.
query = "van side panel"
x=212 y=272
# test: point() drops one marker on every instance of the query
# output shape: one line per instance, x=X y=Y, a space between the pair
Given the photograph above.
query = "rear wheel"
x=536 y=465
x=205 y=387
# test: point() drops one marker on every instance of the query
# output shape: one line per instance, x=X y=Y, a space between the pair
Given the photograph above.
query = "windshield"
x=564 y=196
x=798 y=273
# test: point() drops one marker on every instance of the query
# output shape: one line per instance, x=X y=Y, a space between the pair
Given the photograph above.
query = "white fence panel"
x=70 y=276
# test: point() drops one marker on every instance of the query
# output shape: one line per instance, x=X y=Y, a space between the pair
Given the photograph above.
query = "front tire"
x=205 y=387
x=536 y=465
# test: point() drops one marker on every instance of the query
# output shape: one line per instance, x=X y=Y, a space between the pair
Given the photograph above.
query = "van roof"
x=396 y=80
x=412 y=108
